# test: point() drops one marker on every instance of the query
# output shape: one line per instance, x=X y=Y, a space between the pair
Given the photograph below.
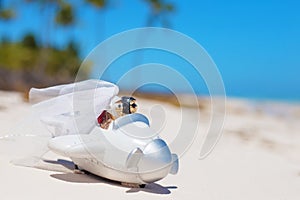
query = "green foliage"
x=29 y=41
x=65 y=14
x=159 y=12
x=26 y=55
x=30 y=56
x=16 y=56
x=7 y=14
x=97 y=3
x=63 y=62
x=158 y=6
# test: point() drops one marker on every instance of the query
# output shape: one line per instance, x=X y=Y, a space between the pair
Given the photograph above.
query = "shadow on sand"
x=91 y=178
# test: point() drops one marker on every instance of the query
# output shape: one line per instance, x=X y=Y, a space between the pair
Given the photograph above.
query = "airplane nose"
x=156 y=162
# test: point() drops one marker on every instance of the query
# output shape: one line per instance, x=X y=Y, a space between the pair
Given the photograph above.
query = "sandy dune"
x=256 y=158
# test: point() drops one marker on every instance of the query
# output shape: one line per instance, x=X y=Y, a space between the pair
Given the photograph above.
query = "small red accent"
x=102 y=117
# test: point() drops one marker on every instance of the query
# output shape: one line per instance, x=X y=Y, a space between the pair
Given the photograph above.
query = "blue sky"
x=255 y=44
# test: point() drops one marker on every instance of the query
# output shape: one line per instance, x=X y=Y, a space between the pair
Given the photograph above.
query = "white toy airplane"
x=126 y=150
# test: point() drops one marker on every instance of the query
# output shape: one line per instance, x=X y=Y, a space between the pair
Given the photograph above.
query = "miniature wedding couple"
x=75 y=108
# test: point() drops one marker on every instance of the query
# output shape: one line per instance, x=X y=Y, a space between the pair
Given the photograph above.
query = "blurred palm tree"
x=65 y=14
x=159 y=12
x=37 y=59
x=98 y=3
x=6 y=14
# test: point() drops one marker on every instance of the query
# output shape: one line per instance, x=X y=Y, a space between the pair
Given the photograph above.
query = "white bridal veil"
x=58 y=110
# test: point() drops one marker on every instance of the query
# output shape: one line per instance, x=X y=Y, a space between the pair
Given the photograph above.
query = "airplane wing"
x=37 y=95
x=73 y=108
x=59 y=110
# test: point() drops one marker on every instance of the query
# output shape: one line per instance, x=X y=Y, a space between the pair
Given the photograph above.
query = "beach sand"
x=257 y=157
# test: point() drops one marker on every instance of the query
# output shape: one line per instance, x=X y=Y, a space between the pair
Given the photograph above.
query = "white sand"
x=256 y=158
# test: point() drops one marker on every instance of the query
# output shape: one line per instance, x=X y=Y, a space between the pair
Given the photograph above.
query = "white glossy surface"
x=106 y=152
